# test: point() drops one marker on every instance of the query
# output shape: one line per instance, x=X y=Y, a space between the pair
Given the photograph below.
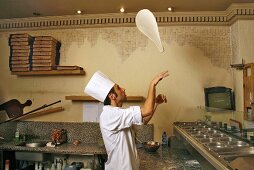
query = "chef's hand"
x=161 y=99
x=159 y=77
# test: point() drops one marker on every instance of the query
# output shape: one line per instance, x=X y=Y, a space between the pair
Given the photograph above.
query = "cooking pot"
x=151 y=146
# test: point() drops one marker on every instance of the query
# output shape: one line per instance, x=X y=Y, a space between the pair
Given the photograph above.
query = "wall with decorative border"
x=212 y=40
x=199 y=50
x=227 y=17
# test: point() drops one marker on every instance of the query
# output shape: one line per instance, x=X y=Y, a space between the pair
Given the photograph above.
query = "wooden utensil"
x=14 y=108
x=39 y=108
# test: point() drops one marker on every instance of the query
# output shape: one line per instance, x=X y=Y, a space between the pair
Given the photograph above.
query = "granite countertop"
x=167 y=158
x=66 y=148
x=163 y=158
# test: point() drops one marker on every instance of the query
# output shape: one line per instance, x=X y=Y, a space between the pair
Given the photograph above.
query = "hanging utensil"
x=39 y=108
x=146 y=23
x=14 y=108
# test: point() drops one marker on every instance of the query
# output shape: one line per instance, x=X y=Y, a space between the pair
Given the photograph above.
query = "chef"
x=116 y=122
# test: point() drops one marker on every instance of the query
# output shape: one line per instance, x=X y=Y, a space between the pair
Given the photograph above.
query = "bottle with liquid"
x=164 y=139
x=17 y=137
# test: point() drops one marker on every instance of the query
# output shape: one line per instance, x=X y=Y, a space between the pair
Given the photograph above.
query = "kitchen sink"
x=32 y=156
x=33 y=144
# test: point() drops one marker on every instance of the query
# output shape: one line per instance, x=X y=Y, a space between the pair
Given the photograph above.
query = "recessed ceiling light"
x=79 y=11
x=122 y=10
x=170 y=9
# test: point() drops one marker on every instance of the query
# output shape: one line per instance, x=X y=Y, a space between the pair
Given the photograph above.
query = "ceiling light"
x=122 y=10
x=79 y=11
x=170 y=9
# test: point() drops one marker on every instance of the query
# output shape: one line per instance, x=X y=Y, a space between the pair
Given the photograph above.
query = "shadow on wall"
x=3 y=116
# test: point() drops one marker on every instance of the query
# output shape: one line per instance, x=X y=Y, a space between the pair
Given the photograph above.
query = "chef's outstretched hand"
x=159 y=77
x=161 y=99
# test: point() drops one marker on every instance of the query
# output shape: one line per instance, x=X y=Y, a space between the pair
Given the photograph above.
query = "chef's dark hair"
x=107 y=100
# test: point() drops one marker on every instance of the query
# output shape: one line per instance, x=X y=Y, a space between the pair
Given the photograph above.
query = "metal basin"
x=232 y=144
x=219 y=135
x=210 y=131
x=208 y=140
x=201 y=136
x=227 y=139
x=196 y=133
x=237 y=143
x=215 y=144
x=235 y=151
x=35 y=144
x=192 y=130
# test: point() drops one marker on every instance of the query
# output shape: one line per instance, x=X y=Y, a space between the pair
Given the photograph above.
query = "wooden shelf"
x=50 y=72
x=90 y=99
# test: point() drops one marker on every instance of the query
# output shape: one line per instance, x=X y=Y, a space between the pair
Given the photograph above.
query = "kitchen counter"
x=163 y=158
x=167 y=158
x=220 y=150
x=66 y=148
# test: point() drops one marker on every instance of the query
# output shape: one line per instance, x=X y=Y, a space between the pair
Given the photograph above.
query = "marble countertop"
x=163 y=158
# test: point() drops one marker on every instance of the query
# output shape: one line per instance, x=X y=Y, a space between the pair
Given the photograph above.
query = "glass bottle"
x=164 y=138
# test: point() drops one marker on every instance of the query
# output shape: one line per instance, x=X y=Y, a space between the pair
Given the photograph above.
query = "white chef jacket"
x=115 y=125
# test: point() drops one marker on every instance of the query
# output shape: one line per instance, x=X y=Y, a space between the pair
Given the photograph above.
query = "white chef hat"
x=99 y=86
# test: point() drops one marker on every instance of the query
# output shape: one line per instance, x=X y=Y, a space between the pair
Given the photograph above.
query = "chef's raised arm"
x=149 y=107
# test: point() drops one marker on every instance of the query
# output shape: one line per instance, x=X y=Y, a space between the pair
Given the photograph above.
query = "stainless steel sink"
x=35 y=144
x=216 y=145
x=234 y=151
x=32 y=156
x=227 y=139
x=208 y=140
x=196 y=133
x=201 y=136
x=219 y=135
x=237 y=143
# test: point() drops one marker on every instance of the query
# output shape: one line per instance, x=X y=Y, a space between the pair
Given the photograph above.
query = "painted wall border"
x=227 y=17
